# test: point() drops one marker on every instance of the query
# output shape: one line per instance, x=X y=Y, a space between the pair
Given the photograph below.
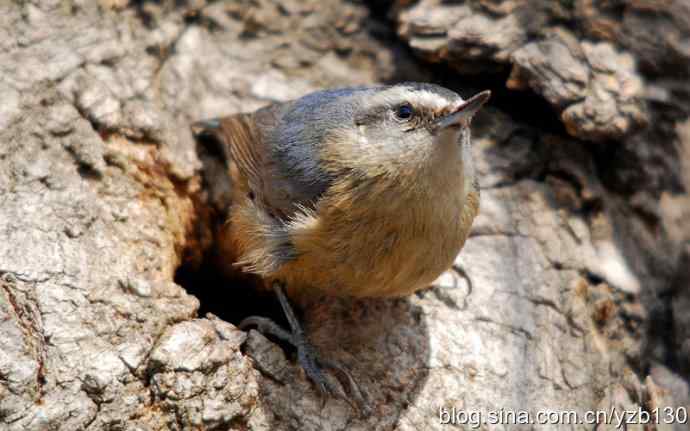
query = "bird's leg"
x=306 y=354
x=308 y=357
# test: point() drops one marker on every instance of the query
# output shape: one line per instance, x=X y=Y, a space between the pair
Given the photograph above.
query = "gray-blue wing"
x=281 y=172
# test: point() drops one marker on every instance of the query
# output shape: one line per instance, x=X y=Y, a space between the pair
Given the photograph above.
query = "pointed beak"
x=464 y=112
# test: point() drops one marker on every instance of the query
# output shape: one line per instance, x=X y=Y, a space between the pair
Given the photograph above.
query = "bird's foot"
x=309 y=359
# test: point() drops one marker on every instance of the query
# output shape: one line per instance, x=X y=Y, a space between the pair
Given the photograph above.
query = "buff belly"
x=379 y=259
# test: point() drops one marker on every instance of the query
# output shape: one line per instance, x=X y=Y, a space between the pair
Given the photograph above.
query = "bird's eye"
x=404 y=112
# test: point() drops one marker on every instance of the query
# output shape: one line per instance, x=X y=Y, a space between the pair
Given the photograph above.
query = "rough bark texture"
x=578 y=262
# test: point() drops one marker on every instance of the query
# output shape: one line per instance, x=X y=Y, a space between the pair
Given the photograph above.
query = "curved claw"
x=348 y=382
x=308 y=358
x=267 y=326
x=309 y=362
x=460 y=271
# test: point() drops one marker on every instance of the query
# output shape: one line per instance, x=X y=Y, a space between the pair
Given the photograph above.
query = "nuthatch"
x=362 y=192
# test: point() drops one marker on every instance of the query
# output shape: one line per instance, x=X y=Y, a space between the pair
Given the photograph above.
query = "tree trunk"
x=113 y=314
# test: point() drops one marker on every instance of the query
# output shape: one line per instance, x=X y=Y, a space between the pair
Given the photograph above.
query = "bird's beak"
x=462 y=115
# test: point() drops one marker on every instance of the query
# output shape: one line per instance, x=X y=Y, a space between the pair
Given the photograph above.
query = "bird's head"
x=413 y=111
x=384 y=127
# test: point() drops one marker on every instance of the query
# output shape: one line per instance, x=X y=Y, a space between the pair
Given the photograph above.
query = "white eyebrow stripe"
x=422 y=98
x=429 y=100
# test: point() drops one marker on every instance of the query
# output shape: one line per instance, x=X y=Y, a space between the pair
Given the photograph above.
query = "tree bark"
x=113 y=316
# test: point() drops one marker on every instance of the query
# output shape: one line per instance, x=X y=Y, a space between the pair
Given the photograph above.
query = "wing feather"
x=265 y=170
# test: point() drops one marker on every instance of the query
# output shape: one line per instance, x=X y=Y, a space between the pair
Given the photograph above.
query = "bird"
x=365 y=191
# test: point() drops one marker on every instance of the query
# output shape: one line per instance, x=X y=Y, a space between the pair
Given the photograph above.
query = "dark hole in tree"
x=230 y=295
x=230 y=298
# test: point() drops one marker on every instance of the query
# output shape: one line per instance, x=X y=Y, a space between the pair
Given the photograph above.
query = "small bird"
x=363 y=192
